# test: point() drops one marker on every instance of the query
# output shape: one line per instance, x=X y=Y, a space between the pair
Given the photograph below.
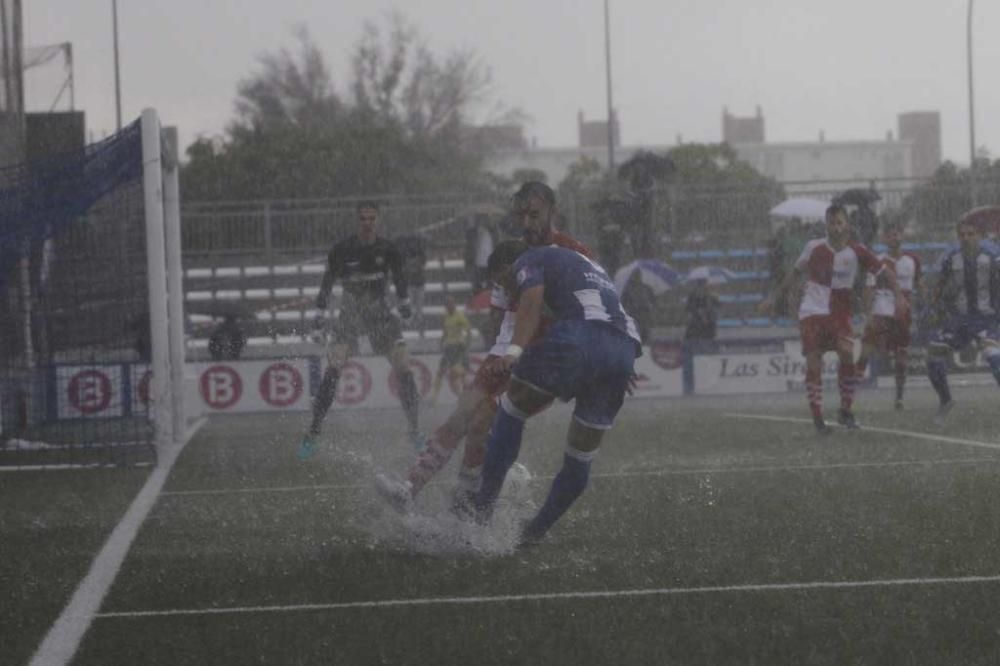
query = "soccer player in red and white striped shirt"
x=829 y=266
x=885 y=331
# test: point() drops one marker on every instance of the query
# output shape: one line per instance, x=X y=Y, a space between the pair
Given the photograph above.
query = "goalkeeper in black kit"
x=364 y=263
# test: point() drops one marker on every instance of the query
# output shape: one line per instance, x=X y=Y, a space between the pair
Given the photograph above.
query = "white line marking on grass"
x=751 y=469
x=612 y=475
x=64 y=637
x=561 y=596
x=274 y=489
x=888 y=431
x=65 y=466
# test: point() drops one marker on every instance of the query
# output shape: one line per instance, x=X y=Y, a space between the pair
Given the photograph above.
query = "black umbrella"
x=644 y=168
x=857 y=196
x=987 y=218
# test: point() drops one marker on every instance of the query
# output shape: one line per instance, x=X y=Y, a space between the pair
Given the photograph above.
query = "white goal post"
x=164 y=269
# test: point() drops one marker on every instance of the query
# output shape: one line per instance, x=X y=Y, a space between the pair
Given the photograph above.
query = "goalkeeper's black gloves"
x=319 y=328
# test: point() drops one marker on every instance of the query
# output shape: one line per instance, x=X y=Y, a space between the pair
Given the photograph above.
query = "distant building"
x=817 y=161
x=923 y=130
x=742 y=130
x=594 y=133
x=916 y=153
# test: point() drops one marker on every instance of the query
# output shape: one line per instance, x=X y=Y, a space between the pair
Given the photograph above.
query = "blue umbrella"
x=710 y=274
x=653 y=273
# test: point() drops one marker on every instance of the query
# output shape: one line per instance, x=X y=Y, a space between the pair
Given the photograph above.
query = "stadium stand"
x=275 y=303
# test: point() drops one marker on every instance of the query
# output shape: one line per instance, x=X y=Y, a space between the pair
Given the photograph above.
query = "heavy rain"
x=608 y=332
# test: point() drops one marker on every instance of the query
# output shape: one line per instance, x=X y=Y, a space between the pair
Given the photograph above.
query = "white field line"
x=65 y=466
x=888 y=431
x=63 y=638
x=562 y=596
x=616 y=475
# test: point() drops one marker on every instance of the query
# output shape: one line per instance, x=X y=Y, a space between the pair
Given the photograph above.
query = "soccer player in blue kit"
x=968 y=288
x=586 y=355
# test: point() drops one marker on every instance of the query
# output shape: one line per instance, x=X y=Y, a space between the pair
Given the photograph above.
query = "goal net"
x=86 y=300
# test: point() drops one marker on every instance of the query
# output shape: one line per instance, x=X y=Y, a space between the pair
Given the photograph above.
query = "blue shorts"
x=962 y=330
x=587 y=361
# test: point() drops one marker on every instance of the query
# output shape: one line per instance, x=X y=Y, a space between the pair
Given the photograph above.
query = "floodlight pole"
x=972 y=112
x=118 y=84
x=607 y=65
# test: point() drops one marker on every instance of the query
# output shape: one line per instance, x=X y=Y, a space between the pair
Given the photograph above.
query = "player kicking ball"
x=586 y=355
x=534 y=206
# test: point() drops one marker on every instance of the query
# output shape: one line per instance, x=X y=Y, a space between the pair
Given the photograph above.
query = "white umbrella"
x=803 y=207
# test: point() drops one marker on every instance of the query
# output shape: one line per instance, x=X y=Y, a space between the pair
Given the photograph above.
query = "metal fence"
x=677 y=219
x=276 y=231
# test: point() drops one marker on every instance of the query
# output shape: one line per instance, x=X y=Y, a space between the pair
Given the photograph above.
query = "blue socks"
x=937 y=372
x=569 y=484
x=501 y=451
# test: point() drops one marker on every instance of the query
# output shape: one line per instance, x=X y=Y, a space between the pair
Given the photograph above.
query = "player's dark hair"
x=505 y=254
x=835 y=209
x=895 y=225
x=533 y=188
x=367 y=203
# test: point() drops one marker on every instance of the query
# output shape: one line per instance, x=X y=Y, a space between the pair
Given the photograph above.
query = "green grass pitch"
x=705 y=537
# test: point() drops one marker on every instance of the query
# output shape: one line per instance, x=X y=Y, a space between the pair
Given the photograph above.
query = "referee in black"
x=364 y=263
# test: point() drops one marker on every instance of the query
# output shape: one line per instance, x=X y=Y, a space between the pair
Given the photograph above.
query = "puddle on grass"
x=431 y=528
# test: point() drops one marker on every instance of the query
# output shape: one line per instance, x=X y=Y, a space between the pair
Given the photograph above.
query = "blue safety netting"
x=39 y=200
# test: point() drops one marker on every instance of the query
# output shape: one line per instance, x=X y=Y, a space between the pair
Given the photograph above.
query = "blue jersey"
x=575 y=287
x=973 y=285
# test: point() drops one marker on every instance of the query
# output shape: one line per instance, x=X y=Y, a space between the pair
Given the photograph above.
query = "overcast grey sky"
x=845 y=67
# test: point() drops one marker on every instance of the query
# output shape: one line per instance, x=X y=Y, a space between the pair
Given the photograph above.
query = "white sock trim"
x=512 y=409
x=582 y=456
x=592 y=426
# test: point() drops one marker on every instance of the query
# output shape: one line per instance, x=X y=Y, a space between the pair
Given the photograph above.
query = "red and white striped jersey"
x=830 y=276
x=908 y=271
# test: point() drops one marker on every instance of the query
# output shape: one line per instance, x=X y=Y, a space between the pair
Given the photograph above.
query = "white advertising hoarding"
x=365 y=382
x=727 y=374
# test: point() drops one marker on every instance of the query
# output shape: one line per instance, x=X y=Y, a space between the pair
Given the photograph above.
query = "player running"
x=884 y=331
x=535 y=207
x=586 y=355
x=364 y=263
x=968 y=292
x=830 y=266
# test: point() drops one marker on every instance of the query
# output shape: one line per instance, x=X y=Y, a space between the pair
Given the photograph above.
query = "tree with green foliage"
x=934 y=207
x=399 y=131
x=715 y=194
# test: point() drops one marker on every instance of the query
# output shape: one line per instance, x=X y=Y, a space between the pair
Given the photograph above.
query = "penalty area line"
x=562 y=596
x=886 y=431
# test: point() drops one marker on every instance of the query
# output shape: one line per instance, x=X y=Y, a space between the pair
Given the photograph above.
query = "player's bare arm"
x=529 y=318
x=491 y=328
